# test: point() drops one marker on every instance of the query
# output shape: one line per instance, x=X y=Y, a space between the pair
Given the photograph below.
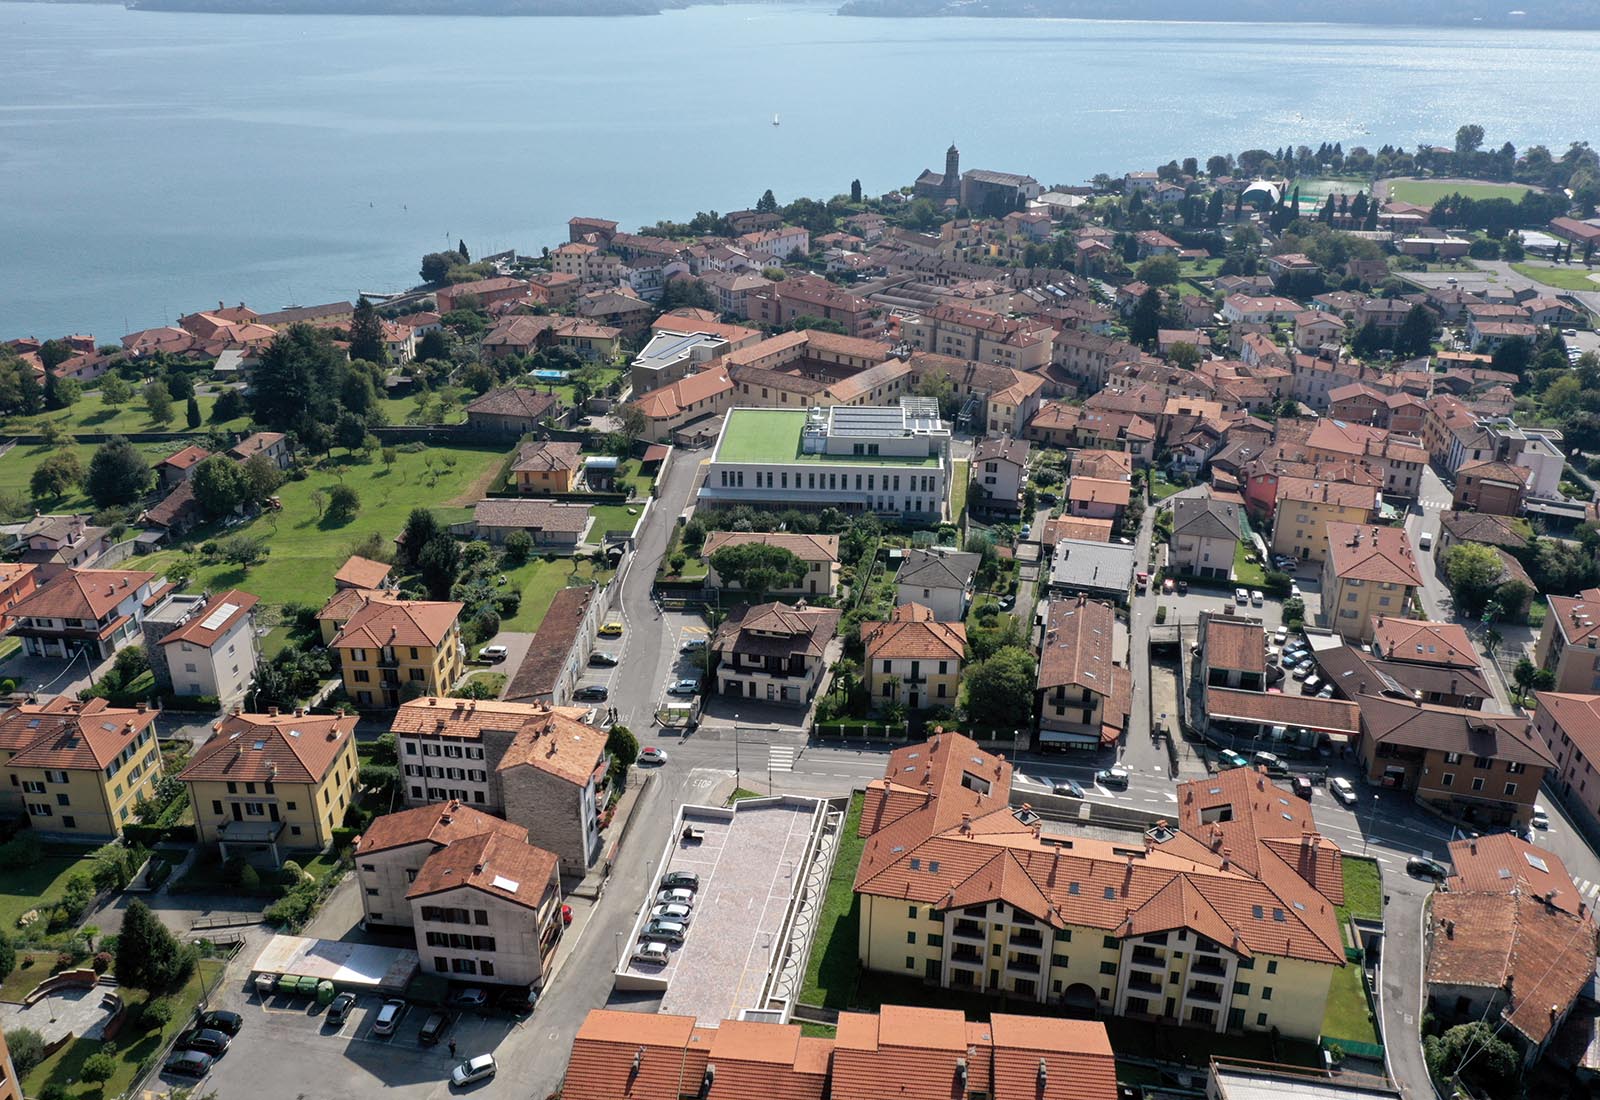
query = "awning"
x=1063 y=737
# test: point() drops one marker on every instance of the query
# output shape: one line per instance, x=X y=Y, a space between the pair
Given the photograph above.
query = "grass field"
x=1363 y=891
x=1428 y=192
x=32 y=968
x=18 y=464
x=1564 y=278
x=539 y=581
x=38 y=886
x=1247 y=573
x=831 y=970
x=960 y=479
x=307 y=550
x=1347 y=1015
x=90 y=414
x=1161 y=488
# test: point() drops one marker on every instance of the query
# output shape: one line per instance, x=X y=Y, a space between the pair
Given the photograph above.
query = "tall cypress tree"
x=366 y=334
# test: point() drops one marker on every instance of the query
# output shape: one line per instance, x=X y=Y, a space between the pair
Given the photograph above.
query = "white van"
x=1425 y=540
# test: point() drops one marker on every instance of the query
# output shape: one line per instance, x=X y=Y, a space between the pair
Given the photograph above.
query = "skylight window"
x=933 y=866
x=1111 y=892
x=1257 y=912
x=1536 y=862
x=259 y=745
x=1278 y=915
x=1072 y=888
x=916 y=864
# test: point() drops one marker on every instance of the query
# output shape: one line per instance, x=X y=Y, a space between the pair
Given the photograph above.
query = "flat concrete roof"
x=750 y=864
x=344 y=964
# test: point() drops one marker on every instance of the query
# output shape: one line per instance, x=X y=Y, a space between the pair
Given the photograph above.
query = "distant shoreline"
x=1480 y=14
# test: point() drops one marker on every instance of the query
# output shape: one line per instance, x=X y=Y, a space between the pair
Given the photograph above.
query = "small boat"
x=775 y=120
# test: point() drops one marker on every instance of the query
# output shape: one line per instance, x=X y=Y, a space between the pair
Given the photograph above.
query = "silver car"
x=679 y=913
x=675 y=897
x=669 y=930
x=479 y=1067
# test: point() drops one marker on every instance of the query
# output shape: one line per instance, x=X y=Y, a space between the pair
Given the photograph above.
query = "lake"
x=152 y=163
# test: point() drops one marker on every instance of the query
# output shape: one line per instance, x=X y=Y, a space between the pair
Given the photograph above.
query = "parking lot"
x=286 y=1048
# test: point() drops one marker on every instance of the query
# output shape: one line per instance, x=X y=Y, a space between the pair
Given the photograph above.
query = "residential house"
x=1098 y=498
x=1569 y=724
x=819 y=554
x=980 y=335
x=1353 y=672
x=390 y=852
x=914 y=659
x=211 y=653
x=1356 y=404
x=783 y=303
x=544 y=468
x=1506 y=532
x=1082 y=694
x=486 y=292
x=774 y=652
x=390 y=650
x=1099 y=570
x=1232 y=652
x=365 y=574
x=628 y=313
x=775 y=245
x=506 y=893
x=696 y=399
x=1000 y=472
x=1385 y=313
x=560 y=648
x=92 y=611
x=553 y=527
x=1248 y=309
x=1369 y=573
x=179 y=466
x=510 y=412
x=274 y=445
x=1042 y=912
x=273 y=783
x=1568 y=642
x=17 y=581
x=55 y=544
x=670 y=356
x=177 y=512
x=81 y=767
x=1306 y=506
x=1479 y=768
x=940 y=581
x=1205 y=535
x=1488 y=336
x=1496 y=488
x=1066 y=527
x=1314 y=329
x=1510 y=941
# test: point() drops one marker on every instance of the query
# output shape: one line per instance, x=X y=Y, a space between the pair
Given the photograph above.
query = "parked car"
x=693 y=645
x=340 y=1007
x=433 y=1027
x=651 y=953
x=1227 y=758
x=612 y=629
x=675 y=896
x=471 y=997
x=597 y=693
x=210 y=1040
x=1116 y=776
x=652 y=755
x=1312 y=685
x=1067 y=787
x=601 y=659
x=1266 y=759
x=389 y=1017
x=1540 y=818
x=219 y=1020
x=480 y=1067
x=1425 y=540
x=1256 y=598
x=679 y=913
x=680 y=880
x=1241 y=595
x=1423 y=867
x=493 y=653
x=1301 y=786
x=188 y=1063
x=1168 y=585
x=1183 y=588
x=1295 y=593
x=1302 y=671
x=670 y=930
x=1027 y=529
x=1141 y=581
x=1280 y=637
x=1342 y=790
x=686 y=686
x=1325 y=691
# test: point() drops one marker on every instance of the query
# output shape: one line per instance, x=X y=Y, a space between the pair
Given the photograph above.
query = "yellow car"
x=611 y=630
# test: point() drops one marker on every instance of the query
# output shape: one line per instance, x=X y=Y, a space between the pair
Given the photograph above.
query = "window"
x=1060 y=960
x=63 y=800
x=372 y=891
x=1110 y=943
x=1272 y=966
x=1266 y=993
x=216 y=806
x=1241 y=989
x=479 y=916
x=911 y=964
x=1261 y=1019
x=1448 y=779
x=1108 y=968
x=911 y=938
x=1511 y=789
x=70 y=822
x=1477 y=783
x=1452 y=758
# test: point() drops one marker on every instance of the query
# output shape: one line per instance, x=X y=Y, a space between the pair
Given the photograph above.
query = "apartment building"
x=781 y=304
x=1369 y=573
x=894 y=461
x=1082 y=694
x=940 y=581
x=979 y=335
x=1493 y=488
x=274 y=783
x=545 y=467
x=17 y=581
x=1306 y=506
x=1569 y=725
x=80 y=767
x=212 y=653
x=774 y=652
x=1569 y=642
x=819 y=553
x=1205 y=536
x=55 y=544
x=914 y=659
x=999 y=474
x=85 y=611
x=1225 y=923
x=391 y=650
x=390 y=854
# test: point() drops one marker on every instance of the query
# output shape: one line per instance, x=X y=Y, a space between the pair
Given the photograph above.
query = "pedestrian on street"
x=452 y=1048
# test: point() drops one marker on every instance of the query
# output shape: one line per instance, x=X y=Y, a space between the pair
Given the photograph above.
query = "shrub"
x=8 y=957
x=64 y=961
x=249 y=878
x=156 y=1013
x=98 y=1067
x=102 y=962
x=22 y=852
x=291 y=873
x=27 y=1049
x=55 y=1090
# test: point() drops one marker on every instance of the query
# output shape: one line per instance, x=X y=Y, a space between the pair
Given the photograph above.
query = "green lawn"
x=818 y=1031
x=614 y=517
x=1428 y=192
x=494 y=681
x=1565 y=278
x=831 y=970
x=539 y=581
x=90 y=414
x=32 y=968
x=1161 y=488
x=39 y=886
x=959 y=485
x=132 y=1048
x=1363 y=890
x=773 y=435
x=1347 y=1015
x=306 y=551
x=18 y=464
x=1247 y=573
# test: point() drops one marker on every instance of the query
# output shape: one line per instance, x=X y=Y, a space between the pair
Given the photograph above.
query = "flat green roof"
x=773 y=436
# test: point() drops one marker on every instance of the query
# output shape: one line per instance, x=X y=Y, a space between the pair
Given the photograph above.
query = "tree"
x=1368 y=341
x=758 y=568
x=243 y=550
x=158 y=402
x=366 y=334
x=1522 y=675
x=767 y=203
x=191 y=412
x=115 y=391
x=1145 y=324
x=1415 y=338
x=1160 y=271
x=518 y=547
x=622 y=745
x=98 y=1067
x=27 y=1049
x=855 y=191
x=56 y=476
x=8 y=957
x=1000 y=689
x=1472 y=570
x=261 y=476
x=229 y=405
x=148 y=956
x=433 y=345
x=439 y=561
x=634 y=423
x=1476 y=1051
x=461 y=250
x=1514 y=356
x=350 y=431
x=118 y=474
x=436 y=266
x=343 y=503
x=1183 y=354
x=220 y=486
x=420 y=527
x=1469 y=139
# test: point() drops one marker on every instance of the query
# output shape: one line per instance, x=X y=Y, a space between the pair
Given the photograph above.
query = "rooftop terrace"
x=773 y=436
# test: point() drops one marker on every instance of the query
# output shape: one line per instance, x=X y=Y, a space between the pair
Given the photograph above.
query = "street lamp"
x=735 y=750
x=1372 y=818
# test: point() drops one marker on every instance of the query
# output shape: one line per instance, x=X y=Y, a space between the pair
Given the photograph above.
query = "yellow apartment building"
x=1306 y=506
x=80 y=768
x=914 y=659
x=393 y=650
x=273 y=783
x=1370 y=574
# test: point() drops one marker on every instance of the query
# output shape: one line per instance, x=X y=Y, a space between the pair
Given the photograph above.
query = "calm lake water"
x=154 y=163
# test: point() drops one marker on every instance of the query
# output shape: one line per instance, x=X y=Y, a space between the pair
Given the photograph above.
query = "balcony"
x=1028 y=941
x=1204 y=994
x=388 y=660
x=968 y=930
x=1138 y=983
x=967 y=956
x=1147 y=960
x=1209 y=966
x=1023 y=965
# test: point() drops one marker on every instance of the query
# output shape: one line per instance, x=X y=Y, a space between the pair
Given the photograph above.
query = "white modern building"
x=892 y=460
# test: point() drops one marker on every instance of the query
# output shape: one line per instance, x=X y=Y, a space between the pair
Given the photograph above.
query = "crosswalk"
x=780 y=758
x=1586 y=889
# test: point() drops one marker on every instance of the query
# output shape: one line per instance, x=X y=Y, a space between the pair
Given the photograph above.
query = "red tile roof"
x=82 y=594
x=493 y=863
x=215 y=619
x=1504 y=861
x=285 y=748
x=1422 y=642
x=189 y=456
x=1373 y=554
x=359 y=572
x=387 y=622
x=74 y=736
x=912 y=633
x=440 y=824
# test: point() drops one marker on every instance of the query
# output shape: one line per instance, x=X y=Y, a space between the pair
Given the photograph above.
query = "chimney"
x=272 y=712
x=638 y=1060
x=141 y=708
x=1044 y=1073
